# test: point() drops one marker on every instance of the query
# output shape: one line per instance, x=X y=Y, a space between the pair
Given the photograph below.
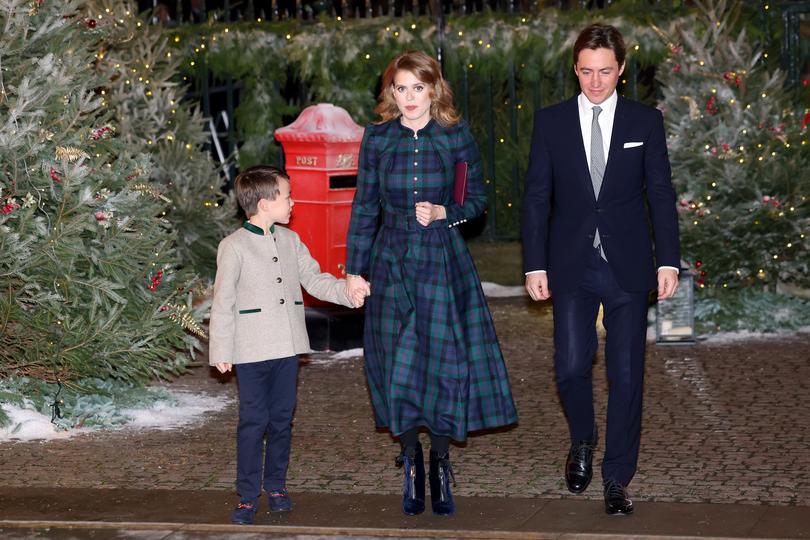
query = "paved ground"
x=80 y=514
x=723 y=423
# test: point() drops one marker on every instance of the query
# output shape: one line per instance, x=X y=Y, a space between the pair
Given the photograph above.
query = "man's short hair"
x=601 y=36
x=256 y=183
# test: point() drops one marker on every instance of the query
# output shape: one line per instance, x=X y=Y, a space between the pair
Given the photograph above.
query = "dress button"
x=415 y=164
x=416 y=150
x=281 y=301
x=415 y=178
x=278 y=280
x=275 y=259
x=415 y=192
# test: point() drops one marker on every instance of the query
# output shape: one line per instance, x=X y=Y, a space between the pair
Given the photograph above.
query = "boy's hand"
x=223 y=367
x=357 y=289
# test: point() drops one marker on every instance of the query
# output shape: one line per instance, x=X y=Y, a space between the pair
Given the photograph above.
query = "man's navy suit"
x=636 y=217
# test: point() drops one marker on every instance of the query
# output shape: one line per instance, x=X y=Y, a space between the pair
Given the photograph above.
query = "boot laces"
x=615 y=490
x=583 y=452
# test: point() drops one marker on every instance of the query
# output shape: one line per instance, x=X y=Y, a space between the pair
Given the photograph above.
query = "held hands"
x=537 y=286
x=667 y=283
x=357 y=289
x=223 y=367
x=427 y=213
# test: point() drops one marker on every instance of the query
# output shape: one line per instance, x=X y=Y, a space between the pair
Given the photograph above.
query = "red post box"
x=321 y=150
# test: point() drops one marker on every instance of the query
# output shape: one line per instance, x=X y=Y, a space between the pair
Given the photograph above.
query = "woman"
x=432 y=356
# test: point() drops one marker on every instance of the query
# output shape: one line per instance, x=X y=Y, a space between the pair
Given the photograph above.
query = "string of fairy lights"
x=759 y=153
x=777 y=148
x=143 y=75
x=142 y=71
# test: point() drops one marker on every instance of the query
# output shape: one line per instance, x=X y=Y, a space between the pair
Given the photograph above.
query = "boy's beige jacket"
x=258 y=309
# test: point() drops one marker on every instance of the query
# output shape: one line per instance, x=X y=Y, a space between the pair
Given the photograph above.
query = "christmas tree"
x=146 y=94
x=92 y=296
x=740 y=157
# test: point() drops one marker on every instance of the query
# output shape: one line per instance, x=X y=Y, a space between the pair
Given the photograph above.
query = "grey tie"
x=597 y=167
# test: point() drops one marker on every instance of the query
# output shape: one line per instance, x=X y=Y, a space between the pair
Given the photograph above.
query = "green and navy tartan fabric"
x=432 y=357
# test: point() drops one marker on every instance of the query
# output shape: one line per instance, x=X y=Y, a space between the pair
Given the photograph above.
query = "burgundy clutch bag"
x=460 y=183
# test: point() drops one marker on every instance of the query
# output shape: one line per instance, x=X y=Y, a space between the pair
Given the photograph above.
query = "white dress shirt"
x=605 y=120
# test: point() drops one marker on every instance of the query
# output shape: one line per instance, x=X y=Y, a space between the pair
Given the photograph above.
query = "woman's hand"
x=357 y=289
x=427 y=213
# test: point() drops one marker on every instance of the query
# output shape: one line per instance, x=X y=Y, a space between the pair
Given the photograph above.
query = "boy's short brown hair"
x=256 y=183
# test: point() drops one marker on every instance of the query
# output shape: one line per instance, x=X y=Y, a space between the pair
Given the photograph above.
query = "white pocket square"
x=632 y=144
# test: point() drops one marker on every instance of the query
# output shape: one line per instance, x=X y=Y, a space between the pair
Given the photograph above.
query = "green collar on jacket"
x=257 y=230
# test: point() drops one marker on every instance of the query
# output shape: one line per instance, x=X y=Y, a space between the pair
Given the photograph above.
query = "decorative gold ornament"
x=180 y=315
x=71 y=153
x=151 y=190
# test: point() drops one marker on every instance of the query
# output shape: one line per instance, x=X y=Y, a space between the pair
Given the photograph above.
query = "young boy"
x=257 y=326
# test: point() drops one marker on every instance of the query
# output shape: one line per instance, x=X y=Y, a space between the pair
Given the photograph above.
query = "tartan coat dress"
x=431 y=354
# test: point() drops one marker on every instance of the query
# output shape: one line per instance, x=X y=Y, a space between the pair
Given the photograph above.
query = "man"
x=598 y=196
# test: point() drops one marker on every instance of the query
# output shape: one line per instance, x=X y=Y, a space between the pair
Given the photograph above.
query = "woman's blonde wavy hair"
x=426 y=69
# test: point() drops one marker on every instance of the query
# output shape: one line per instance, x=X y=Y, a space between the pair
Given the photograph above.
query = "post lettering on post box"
x=307 y=161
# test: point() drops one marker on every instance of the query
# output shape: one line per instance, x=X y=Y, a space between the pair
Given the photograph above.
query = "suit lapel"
x=617 y=137
x=578 y=145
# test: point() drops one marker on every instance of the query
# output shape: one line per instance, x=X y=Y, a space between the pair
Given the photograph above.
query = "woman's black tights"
x=438 y=443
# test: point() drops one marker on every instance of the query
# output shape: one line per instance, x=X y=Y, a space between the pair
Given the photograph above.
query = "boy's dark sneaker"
x=279 y=501
x=244 y=513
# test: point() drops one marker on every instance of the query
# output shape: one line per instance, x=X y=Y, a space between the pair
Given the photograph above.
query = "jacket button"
x=275 y=259
x=281 y=301
x=278 y=280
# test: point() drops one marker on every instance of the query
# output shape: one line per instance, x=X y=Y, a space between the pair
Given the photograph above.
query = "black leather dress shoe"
x=616 y=501
x=579 y=465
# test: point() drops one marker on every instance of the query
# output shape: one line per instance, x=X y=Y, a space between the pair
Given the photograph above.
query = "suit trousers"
x=267 y=394
x=575 y=343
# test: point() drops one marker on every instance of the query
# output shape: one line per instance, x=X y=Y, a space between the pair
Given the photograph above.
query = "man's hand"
x=223 y=367
x=357 y=289
x=427 y=213
x=667 y=283
x=537 y=286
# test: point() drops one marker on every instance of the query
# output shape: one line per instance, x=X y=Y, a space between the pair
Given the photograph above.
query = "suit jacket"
x=635 y=211
x=258 y=309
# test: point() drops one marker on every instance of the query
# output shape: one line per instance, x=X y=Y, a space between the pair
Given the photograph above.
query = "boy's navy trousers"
x=267 y=392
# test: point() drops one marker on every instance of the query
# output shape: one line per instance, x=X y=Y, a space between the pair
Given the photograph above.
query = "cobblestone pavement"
x=723 y=423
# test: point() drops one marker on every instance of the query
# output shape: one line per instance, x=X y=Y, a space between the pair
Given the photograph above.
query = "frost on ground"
x=181 y=410
x=493 y=290
x=731 y=337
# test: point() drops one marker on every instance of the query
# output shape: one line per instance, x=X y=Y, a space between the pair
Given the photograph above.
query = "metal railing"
x=197 y=11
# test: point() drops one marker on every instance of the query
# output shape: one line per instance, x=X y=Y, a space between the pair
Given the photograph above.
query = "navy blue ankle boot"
x=413 y=492
x=441 y=498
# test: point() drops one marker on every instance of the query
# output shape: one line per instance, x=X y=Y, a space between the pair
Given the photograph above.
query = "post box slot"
x=343 y=181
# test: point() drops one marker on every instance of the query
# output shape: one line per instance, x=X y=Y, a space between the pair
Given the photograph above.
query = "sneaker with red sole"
x=244 y=513
x=279 y=501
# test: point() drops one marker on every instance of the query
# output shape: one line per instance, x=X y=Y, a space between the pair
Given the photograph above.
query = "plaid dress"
x=431 y=354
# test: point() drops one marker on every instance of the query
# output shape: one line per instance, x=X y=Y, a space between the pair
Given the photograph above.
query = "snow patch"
x=29 y=425
x=721 y=338
x=325 y=357
x=348 y=354
x=746 y=335
x=185 y=409
x=188 y=409
x=494 y=290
